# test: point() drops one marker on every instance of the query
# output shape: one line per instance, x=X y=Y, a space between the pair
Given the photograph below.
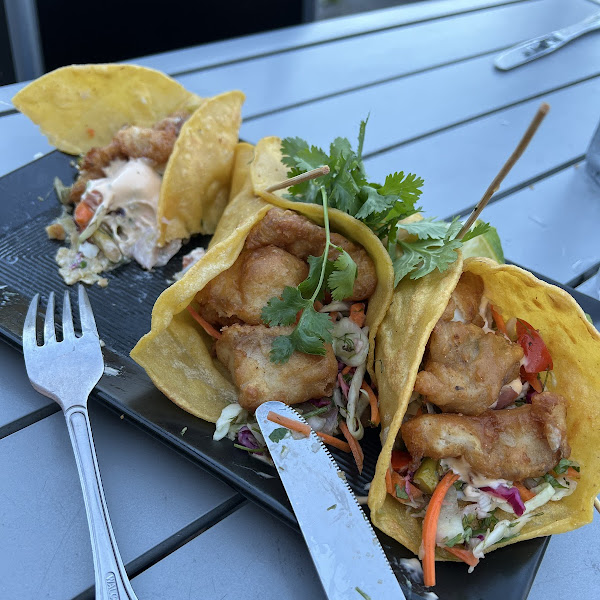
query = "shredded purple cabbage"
x=246 y=438
x=530 y=394
x=320 y=402
x=343 y=385
x=511 y=495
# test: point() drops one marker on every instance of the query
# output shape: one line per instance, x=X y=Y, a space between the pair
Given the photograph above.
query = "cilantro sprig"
x=313 y=329
x=382 y=207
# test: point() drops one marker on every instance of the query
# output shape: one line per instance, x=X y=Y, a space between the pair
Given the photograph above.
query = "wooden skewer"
x=508 y=165
x=299 y=179
x=597 y=504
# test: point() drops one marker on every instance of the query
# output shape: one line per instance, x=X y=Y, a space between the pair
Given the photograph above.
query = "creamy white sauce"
x=483 y=313
x=129 y=206
x=462 y=468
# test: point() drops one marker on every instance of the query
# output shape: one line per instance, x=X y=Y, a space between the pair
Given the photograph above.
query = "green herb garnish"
x=317 y=411
x=564 y=464
x=313 y=329
x=553 y=482
x=332 y=507
x=363 y=594
x=381 y=207
x=251 y=450
x=278 y=434
x=457 y=539
x=400 y=493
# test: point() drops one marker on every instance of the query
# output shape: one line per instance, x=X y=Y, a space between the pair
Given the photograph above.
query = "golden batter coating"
x=154 y=143
x=466 y=368
x=244 y=350
x=240 y=293
x=501 y=444
x=466 y=299
x=303 y=238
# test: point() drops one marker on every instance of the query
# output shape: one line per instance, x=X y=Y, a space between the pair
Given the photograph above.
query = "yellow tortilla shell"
x=195 y=186
x=82 y=106
x=176 y=353
x=575 y=348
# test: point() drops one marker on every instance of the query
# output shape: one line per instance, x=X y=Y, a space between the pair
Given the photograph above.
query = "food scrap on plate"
x=154 y=168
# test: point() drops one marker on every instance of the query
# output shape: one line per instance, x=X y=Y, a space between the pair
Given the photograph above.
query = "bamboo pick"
x=319 y=172
x=597 y=504
x=508 y=165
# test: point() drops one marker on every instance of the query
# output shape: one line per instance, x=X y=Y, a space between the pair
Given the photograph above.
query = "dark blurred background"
x=37 y=36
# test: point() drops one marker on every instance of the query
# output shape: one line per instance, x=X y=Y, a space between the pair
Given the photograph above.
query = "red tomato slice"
x=537 y=355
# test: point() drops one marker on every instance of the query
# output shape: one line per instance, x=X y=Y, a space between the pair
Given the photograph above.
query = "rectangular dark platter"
x=122 y=310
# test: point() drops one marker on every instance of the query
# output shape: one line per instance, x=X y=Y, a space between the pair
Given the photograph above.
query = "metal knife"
x=544 y=44
x=341 y=541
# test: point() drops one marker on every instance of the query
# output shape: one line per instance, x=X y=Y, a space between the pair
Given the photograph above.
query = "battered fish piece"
x=466 y=368
x=154 y=143
x=466 y=299
x=500 y=444
x=303 y=238
x=240 y=293
x=244 y=350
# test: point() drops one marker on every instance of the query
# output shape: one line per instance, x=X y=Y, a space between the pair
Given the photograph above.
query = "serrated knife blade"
x=346 y=552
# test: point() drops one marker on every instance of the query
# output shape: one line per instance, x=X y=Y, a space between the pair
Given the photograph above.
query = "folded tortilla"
x=82 y=106
x=574 y=345
x=176 y=353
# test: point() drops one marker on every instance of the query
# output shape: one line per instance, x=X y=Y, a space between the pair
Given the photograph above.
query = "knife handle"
x=544 y=44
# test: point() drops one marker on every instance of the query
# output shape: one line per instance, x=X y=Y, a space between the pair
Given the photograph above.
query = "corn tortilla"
x=176 y=353
x=574 y=345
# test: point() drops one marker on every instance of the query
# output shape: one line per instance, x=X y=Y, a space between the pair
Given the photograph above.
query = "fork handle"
x=111 y=578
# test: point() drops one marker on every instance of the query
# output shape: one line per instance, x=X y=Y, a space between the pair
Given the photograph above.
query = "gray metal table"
x=438 y=108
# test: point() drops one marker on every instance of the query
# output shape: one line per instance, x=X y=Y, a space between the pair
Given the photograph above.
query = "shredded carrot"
x=357 y=313
x=333 y=315
x=318 y=305
x=393 y=479
x=305 y=430
x=375 y=419
x=430 y=523
x=464 y=555
x=335 y=442
x=204 y=324
x=346 y=370
x=83 y=214
x=523 y=491
x=500 y=324
x=357 y=453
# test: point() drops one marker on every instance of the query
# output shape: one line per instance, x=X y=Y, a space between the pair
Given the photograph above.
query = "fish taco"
x=155 y=163
x=236 y=331
x=490 y=410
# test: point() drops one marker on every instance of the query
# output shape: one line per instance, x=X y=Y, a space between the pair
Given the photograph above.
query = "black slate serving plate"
x=122 y=310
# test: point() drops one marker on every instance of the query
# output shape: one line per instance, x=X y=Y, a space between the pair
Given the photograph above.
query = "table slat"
x=152 y=494
x=421 y=104
x=290 y=79
x=459 y=164
x=248 y=555
x=591 y=287
x=551 y=228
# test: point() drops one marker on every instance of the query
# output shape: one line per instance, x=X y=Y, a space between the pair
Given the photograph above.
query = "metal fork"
x=67 y=371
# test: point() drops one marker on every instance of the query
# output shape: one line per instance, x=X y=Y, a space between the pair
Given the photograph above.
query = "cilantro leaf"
x=553 y=482
x=564 y=464
x=479 y=229
x=313 y=327
x=278 y=434
x=361 y=136
x=297 y=153
x=423 y=256
x=427 y=229
x=283 y=311
x=406 y=188
x=281 y=349
x=309 y=285
x=341 y=280
x=457 y=539
x=400 y=493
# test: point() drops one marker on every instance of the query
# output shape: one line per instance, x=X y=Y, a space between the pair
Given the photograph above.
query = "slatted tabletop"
x=424 y=73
